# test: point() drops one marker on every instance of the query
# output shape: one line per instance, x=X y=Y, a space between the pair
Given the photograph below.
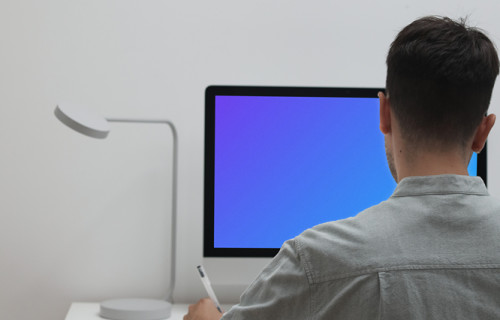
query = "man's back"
x=432 y=251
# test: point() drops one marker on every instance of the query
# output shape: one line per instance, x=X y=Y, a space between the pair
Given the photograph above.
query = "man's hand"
x=203 y=310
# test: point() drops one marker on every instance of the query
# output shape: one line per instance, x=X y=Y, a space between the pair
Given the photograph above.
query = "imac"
x=279 y=160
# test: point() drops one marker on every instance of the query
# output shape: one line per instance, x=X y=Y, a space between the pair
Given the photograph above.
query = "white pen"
x=208 y=287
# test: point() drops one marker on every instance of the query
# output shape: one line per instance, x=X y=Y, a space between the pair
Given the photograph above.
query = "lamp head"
x=83 y=121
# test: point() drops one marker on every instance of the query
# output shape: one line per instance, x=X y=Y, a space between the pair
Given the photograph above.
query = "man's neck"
x=431 y=163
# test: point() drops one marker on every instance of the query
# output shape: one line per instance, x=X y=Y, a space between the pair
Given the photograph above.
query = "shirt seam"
x=420 y=194
x=307 y=269
x=406 y=268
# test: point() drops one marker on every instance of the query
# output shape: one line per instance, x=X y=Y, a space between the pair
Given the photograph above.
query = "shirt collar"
x=440 y=184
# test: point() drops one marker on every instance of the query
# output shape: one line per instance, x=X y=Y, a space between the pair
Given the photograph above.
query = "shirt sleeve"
x=281 y=291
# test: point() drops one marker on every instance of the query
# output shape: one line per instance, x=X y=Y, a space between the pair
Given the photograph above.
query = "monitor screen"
x=279 y=160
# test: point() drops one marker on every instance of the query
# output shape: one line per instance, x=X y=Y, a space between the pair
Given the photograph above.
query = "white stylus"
x=208 y=287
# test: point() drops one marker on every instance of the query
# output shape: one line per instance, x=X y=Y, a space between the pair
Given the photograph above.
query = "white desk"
x=90 y=311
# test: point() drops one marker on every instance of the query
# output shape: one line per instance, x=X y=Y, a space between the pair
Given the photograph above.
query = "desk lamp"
x=93 y=125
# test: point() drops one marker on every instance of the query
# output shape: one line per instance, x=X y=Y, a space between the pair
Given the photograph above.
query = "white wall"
x=76 y=213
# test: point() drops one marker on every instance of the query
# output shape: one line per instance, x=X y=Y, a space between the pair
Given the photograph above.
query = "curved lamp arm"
x=174 y=193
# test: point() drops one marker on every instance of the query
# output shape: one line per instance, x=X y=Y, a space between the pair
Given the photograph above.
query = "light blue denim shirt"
x=431 y=251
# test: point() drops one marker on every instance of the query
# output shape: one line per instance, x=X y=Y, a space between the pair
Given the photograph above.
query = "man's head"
x=440 y=76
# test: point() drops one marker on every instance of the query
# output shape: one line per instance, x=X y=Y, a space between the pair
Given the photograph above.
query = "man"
x=432 y=250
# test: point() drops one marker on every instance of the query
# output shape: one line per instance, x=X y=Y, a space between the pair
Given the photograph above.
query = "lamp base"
x=135 y=309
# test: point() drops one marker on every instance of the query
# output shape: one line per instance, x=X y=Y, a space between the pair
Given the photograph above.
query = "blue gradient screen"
x=285 y=164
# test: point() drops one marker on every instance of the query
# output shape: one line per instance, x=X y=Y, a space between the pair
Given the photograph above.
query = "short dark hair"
x=440 y=76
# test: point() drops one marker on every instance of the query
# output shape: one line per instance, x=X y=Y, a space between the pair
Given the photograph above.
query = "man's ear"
x=482 y=133
x=385 y=113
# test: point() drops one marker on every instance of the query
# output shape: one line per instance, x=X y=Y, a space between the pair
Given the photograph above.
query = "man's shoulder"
x=345 y=243
x=367 y=223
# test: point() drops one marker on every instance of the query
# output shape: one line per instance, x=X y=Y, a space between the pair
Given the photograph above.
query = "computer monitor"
x=279 y=160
